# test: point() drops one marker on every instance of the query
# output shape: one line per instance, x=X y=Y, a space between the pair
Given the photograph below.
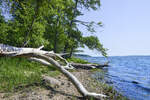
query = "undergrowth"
x=19 y=72
x=77 y=60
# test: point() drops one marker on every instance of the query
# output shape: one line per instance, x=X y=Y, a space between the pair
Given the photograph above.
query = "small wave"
x=143 y=87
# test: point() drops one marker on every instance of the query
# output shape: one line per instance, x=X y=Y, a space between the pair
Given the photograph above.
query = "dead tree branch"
x=47 y=58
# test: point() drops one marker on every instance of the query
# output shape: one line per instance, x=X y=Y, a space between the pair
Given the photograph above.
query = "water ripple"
x=130 y=75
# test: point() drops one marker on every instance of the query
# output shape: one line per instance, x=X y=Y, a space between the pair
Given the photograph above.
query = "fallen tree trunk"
x=6 y=50
x=88 y=66
x=47 y=58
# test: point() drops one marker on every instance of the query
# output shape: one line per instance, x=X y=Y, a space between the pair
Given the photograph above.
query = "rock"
x=135 y=82
x=54 y=82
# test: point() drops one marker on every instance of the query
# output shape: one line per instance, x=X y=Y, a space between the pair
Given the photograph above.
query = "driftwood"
x=48 y=58
x=88 y=66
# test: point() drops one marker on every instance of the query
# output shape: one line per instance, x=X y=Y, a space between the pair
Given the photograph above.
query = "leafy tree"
x=74 y=41
x=52 y=23
x=92 y=42
x=3 y=27
x=27 y=26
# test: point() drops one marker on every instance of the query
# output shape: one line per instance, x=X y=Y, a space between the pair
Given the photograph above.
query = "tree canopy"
x=53 y=23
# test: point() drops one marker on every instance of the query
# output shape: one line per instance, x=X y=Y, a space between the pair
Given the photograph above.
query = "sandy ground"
x=66 y=91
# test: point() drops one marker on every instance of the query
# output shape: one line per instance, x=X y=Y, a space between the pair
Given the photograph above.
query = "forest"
x=52 y=23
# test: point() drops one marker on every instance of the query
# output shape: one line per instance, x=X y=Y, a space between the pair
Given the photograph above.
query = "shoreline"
x=66 y=91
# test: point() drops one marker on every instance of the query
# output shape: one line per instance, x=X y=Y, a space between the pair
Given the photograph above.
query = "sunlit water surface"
x=130 y=75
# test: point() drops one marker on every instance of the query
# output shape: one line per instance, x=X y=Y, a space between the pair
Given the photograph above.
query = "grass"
x=97 y=70
x=112 y=93
x=19 y=72
x=108 y=90
x=77 y=60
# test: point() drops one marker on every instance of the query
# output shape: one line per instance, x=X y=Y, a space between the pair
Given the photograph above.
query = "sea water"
x=129 y=75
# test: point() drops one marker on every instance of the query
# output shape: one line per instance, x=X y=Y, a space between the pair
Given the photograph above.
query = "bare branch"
x=41 y=47
x=45 y=58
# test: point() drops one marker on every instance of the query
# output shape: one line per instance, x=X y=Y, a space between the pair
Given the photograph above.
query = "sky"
x=126 y=27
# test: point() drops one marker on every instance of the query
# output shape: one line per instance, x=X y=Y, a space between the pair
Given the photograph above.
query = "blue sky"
x=126 y=29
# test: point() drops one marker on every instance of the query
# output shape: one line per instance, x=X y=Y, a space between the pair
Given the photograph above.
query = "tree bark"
x=70 y=25
x=56 y=33
x=6 y=50
x=29 y=29
x=28 y=32
x=71 y=51
x=88 y=66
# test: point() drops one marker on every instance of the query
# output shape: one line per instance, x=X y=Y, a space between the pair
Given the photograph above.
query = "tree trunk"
x=29 y=29
x=55 y=36
x=71 y=51
x=28 y=32
x=55 y=42
x=88 y=66
x=6 y=50
x=74 y=13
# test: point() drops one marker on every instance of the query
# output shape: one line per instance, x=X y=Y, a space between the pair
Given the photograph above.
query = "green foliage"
x=96 y=70
x=77 y=60
x=52 y=23
x=90 y=4
x=15 y=72
x=92 y=42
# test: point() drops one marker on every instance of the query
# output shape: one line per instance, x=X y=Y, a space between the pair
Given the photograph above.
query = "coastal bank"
x=39 y=90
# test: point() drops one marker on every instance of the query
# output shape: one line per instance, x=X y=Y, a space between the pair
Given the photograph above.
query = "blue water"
x=130 y=75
